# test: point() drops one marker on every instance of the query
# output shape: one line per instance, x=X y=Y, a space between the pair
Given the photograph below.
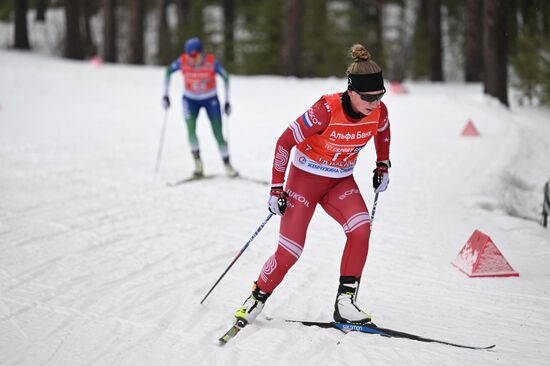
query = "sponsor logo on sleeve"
x=309 y=118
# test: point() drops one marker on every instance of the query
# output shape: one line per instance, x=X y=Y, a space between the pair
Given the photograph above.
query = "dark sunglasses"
x=371 y=98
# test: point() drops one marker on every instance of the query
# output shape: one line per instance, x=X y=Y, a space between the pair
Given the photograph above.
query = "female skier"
x=327 y=139
x=199 y=72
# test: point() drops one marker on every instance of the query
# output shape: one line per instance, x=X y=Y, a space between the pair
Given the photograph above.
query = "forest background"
x=505 y=44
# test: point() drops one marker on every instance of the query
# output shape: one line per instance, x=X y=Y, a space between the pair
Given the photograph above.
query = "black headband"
x=366 y=82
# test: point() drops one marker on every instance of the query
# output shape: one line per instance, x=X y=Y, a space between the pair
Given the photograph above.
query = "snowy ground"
x=102 y=264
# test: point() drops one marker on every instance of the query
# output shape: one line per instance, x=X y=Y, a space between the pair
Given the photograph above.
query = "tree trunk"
x=109 y=31
x=137 y=23
x=228 y=31
x=314 y=57
x=184 y=18
x=293 y=11
x=402 y=59
x=73 y=39
x=379 y=50
x=495 y=79
x=40 y=11
x=164 y=42
x=86 y=10
x=474 y=52
x=371 y=27
x=434 y=30
x=21 y=38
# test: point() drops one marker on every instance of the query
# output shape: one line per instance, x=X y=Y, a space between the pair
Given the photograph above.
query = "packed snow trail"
x=102 y=263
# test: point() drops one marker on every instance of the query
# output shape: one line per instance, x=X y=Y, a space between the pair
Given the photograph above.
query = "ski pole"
x=373 y=210
x=371 y=222
x=239 y=254
x=226 y=127
x=161 y=143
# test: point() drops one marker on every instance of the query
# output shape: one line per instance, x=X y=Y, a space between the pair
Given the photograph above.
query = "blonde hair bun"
x=359 y=53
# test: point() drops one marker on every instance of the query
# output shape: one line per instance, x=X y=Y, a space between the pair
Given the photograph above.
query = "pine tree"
x=530 y=57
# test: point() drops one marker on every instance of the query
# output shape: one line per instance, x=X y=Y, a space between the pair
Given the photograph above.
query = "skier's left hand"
x=227 y=108
x=381 y=178
x=166 y=102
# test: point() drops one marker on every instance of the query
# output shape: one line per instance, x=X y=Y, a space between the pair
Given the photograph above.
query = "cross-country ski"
x=195 y=178
x=371 y=328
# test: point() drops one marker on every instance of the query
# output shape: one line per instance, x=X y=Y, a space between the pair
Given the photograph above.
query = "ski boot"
x=252 y=306
x=198 y=172
x=346 y=310
x=229 y=170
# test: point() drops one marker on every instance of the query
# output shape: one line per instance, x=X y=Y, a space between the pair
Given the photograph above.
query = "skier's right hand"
x=166 y=102
x=277 y=202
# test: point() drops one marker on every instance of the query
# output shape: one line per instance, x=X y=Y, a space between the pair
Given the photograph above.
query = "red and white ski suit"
x=327 y=143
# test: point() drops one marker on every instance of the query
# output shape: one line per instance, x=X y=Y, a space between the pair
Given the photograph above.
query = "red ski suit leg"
x=345 y=204
x=341 y=199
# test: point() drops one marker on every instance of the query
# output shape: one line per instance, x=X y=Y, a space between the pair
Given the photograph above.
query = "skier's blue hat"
x=193 y=44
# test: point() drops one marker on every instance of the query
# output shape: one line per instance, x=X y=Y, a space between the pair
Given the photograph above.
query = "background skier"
x=199 y=72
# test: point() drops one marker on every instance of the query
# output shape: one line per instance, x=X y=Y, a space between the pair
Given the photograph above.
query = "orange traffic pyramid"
x=470 y=129
x=480 y=257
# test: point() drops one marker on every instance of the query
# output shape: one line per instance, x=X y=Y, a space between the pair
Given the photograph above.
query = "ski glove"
x=165 y=102
x=227 y=108
x=277 y=200
x=381 y=178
